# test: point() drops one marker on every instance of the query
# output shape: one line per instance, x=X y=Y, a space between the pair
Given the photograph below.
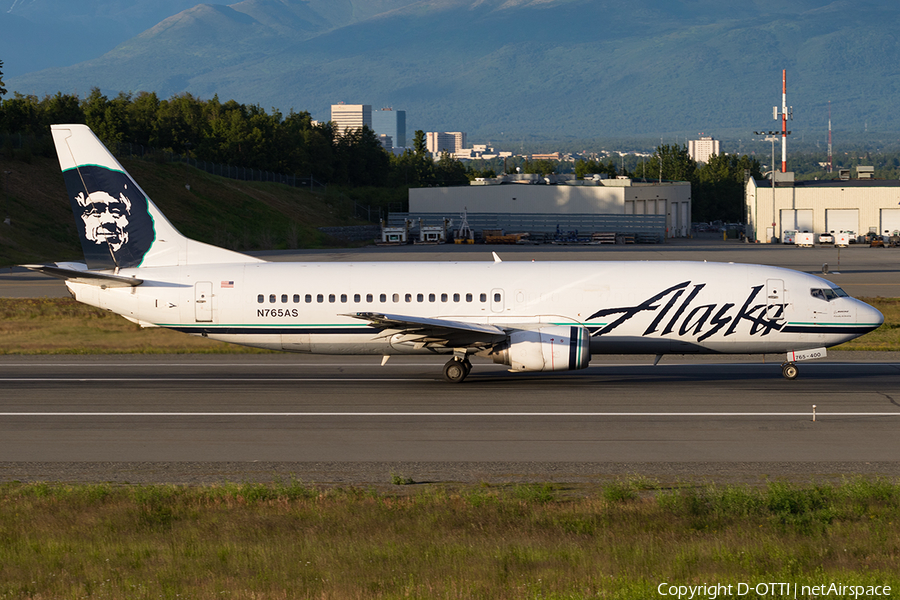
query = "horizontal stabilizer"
x=88 y=277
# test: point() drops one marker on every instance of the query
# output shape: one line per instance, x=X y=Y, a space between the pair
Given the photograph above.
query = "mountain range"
x=497 y=69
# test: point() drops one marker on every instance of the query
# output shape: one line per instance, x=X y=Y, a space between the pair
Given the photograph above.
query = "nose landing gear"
x=789 y=370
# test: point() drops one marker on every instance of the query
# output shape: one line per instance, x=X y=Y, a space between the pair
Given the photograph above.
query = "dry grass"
x=525 y=541
x=886 y=337
x=63 y=326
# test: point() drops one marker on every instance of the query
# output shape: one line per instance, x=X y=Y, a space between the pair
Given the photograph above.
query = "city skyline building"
x=445 y=141
x=388 y=121
x=700 y=150
x=348 y=117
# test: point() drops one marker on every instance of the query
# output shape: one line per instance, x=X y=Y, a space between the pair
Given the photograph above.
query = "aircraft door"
x=497 y=300
x=203 y=305
x=775 y=304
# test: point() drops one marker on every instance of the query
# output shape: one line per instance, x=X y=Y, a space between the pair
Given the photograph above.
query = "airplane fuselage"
x=628 y=307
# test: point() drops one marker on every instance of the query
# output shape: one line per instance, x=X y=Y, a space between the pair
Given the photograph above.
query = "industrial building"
x=858 y=205
x=559 y=196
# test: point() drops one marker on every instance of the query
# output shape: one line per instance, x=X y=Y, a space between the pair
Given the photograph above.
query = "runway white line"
x=449 y=414
x=163 y=378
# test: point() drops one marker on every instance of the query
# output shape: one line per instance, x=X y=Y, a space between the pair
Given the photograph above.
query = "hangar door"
x=841 y=219
x=800 y=220
x=890 y=221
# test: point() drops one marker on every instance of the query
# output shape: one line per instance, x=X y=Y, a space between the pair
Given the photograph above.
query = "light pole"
x=771 y=136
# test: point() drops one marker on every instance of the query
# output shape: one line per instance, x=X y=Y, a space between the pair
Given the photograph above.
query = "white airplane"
x=531 y=316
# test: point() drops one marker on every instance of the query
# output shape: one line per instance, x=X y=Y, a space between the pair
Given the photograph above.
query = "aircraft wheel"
x=455 y=371
x=789 y=370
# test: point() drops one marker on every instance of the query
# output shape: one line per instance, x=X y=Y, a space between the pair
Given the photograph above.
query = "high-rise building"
x=445 y=141
x=700 y=150
x=351 y=116
x=388 y=121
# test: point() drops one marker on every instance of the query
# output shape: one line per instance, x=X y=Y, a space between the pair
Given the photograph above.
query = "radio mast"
x=785 y=114
x=830 y=167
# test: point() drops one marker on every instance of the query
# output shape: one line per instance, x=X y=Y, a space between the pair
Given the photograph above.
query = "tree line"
x=233 y=133
x=249 y=136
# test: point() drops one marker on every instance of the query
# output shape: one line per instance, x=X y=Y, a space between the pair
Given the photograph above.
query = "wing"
x=426 y=333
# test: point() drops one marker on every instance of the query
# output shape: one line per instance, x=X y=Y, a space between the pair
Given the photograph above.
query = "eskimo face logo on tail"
x=111 y=213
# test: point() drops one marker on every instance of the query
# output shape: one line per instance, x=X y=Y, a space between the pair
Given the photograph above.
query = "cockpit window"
x=828 y=294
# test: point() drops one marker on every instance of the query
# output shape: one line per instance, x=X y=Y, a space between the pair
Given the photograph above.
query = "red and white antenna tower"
x=830 y=166
x=786 y=113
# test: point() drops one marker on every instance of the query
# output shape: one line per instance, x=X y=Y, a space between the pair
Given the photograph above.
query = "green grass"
x=239 y=215
x=290 y=540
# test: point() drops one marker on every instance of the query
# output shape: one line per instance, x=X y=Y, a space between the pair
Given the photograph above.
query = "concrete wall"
x=518 y=198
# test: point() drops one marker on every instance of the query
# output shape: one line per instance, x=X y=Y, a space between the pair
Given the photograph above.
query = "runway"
x=347 y=419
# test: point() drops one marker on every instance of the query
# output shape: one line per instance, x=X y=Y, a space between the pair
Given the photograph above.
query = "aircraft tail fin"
x=118 y=224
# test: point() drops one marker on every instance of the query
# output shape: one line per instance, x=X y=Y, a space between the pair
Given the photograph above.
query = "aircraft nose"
x=868 y=316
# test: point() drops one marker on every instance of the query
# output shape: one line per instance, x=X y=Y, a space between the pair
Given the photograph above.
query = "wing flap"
x=432 y=332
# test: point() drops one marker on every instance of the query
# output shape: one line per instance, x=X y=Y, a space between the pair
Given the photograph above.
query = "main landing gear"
x=456 y=369
x=789 y=370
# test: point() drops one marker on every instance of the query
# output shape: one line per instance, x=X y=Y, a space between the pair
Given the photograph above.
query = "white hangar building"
x=514 y=195
x=825 y=206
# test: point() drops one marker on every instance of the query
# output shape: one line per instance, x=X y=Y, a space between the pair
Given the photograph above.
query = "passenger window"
x=468 y=297
x=261 y=298
x=296 y=298
x=496 y=297
x=331 y=298
x=344 y=298
x=431 y=297
x=382 y=298
x=420 y=298
x=369 y=298
x=396 y=298
x=272 y=298
x=409 y=297
x=284 y=298
x=356 y=298
x=320 y=298
x=483 y=297
x=308 y=298
x=443 y=297
x=456 y=297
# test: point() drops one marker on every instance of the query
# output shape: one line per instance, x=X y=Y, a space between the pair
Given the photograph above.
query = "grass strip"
x=290 y=540
x=64 y=326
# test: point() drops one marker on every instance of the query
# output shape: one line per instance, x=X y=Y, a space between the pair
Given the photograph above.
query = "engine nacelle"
x=554 y=348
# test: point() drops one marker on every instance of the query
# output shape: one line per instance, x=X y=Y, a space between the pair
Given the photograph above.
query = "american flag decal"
x=227 y=284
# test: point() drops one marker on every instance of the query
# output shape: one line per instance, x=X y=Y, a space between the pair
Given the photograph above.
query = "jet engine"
x=554 y=348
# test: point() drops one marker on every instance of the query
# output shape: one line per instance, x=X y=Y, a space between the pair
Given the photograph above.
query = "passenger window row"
x=358 y=298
